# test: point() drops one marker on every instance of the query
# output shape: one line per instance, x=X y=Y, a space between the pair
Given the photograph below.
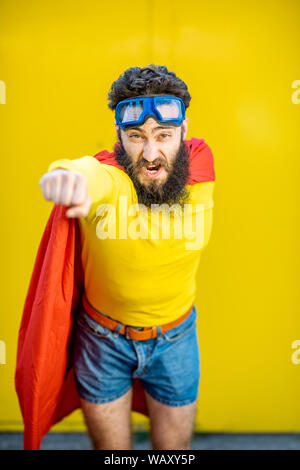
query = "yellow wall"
x=57 y=60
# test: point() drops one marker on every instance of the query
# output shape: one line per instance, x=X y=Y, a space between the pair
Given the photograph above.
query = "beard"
x=172 y=191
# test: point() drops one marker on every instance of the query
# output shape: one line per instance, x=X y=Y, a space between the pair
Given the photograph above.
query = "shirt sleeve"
x=99 y=177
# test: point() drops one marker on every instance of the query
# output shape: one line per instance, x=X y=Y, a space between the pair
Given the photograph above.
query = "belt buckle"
x=127 y=333
x=153 y=330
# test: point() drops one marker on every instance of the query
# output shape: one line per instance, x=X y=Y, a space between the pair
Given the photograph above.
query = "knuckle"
x=67 y=185
x=69 y=181
x=81 y=180
x=71 y=175
x=43 y=179
x=64 y=177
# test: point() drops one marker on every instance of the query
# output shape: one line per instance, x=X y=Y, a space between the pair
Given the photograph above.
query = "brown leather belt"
x=147 y=332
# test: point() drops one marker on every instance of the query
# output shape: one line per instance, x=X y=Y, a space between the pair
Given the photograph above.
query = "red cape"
x=44 y=377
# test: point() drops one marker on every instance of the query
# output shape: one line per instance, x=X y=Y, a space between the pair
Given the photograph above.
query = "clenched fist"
x=67 y=188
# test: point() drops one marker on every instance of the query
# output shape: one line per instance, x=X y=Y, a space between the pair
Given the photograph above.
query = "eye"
x=164 y=136
x=135 y=136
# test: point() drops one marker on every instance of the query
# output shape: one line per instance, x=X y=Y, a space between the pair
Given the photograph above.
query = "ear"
x=185 y=127
x=117 y=130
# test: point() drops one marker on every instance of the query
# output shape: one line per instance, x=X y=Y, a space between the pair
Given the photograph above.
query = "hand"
x=68 y=188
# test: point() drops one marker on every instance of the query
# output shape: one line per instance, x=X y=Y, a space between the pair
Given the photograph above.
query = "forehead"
x=151 y=125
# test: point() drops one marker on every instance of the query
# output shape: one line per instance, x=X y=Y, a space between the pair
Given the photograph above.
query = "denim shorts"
x=106 y=362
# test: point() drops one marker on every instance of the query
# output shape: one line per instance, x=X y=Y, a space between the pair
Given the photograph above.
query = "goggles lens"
x=164 y=108
x=168 y=108
x=131 y=111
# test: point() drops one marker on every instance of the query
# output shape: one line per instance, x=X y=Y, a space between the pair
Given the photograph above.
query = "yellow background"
x=58 y=59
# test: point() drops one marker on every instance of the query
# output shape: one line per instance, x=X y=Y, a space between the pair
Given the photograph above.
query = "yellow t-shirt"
x=139 y=265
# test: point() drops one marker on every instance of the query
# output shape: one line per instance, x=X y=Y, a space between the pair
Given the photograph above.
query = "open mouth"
x=152 y=170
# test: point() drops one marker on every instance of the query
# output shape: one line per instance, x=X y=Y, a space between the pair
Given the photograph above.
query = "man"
x=140 y=320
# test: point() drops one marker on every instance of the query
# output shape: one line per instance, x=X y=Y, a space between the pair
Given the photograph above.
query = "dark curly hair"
x=150 y=80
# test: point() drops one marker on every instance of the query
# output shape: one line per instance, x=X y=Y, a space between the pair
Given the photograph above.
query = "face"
x=155 y=158
x=152 y=148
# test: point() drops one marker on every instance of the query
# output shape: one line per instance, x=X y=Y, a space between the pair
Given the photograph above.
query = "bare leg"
x=171 y=426
x=109 y=424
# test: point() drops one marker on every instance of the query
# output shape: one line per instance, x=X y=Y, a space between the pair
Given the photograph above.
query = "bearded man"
x=140 y=320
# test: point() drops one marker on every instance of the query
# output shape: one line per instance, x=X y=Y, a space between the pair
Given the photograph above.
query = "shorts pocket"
x=84 y=321
x=175 y=334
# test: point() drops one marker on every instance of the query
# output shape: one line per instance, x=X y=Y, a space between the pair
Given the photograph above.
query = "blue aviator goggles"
x=165 y=109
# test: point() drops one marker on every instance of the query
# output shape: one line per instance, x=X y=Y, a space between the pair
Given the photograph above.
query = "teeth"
x=153 y=168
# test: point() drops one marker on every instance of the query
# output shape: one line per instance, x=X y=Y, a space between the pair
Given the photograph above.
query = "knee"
x=172 y=444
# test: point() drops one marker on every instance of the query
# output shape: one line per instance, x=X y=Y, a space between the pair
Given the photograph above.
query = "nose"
x=150 y=152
